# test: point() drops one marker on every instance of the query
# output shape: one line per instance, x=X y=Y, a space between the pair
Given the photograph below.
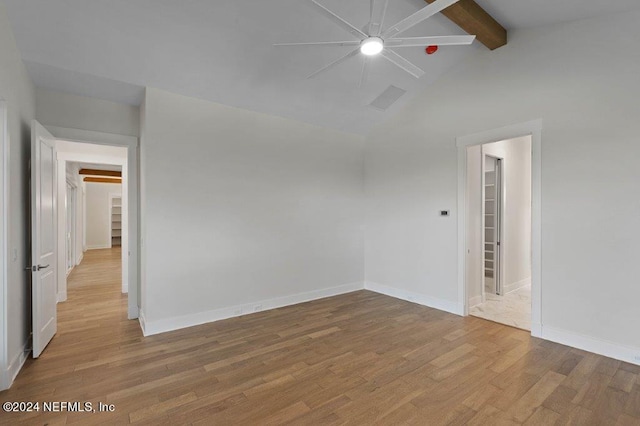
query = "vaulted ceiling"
x=223 y=50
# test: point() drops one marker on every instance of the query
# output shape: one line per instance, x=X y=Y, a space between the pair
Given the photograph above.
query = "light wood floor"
x=360 y=358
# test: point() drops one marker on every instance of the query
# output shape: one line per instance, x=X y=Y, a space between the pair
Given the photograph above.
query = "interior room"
x=305 y=192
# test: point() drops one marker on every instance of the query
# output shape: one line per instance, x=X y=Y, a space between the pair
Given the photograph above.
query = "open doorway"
x=95 y=285
x=499 y=232
x=95 y=210
x=55 y=246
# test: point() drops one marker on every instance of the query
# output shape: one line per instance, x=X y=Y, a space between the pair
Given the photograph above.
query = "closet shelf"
x=116 y=222
x=490 y=201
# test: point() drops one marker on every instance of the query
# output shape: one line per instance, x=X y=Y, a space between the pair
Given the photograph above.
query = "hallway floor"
x=512 y=309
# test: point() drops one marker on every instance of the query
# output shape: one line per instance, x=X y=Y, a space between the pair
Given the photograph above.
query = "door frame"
x=130 y=176
x=74 y=226
x=533 y=129
x=5 y=379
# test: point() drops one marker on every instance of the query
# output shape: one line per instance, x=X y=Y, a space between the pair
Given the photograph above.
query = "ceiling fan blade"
x=401 y=62
x=371 y=26
x=429 y=41
x=338 y=20
x=365 y=72
x=336 y=62
x=411 y=20
x=383 y=15
x=372 y=5
x=322 y=43
x=377 y=18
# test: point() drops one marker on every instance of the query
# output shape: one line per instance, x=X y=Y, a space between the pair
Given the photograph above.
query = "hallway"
x=94 y=289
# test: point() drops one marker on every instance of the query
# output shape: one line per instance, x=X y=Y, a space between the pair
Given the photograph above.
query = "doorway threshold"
x=513 y=309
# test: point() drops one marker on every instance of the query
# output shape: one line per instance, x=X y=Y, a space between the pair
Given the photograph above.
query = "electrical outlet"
x=257 y=308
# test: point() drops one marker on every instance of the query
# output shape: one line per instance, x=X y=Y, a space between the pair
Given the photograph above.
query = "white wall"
x=581 y=79
x=81 y=112
x=98 y=226
x=241 y=207
x=18 y=91
x=88 y=152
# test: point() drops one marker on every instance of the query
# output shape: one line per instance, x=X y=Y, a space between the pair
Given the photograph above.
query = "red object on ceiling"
x=431 y=49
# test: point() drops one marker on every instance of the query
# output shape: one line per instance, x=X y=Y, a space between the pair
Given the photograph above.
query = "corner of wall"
x=590 y=344
x=420 y=299
x=169 y=324
x=15 y=365
x=143 y=323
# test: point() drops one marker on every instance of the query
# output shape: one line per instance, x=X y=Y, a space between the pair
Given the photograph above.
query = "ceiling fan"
x=374 y=39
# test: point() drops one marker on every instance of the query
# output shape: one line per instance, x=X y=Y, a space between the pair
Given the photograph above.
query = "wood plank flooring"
x=360 y=358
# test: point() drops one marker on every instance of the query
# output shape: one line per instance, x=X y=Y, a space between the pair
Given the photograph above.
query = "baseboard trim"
x=515 y=286
x=16 y=364
x=587 y=343
x=536 y=330
x=143 y=323
x=150 y=328
x=98 y=247
x=133 y=312
x=80 y=259
x=421 y=299
x=591 y=344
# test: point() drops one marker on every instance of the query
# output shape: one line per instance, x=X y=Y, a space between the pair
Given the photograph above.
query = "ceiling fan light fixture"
x=371 y=46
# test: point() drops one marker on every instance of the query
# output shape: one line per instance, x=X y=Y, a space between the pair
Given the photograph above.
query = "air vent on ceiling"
x=387 y=98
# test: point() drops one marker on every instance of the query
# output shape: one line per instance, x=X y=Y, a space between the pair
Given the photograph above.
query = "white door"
x=43 y=236
x=70 y=234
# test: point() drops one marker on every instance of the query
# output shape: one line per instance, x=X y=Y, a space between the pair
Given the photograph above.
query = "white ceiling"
x=221 y=50
x=535 y=13
x=94 y=166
